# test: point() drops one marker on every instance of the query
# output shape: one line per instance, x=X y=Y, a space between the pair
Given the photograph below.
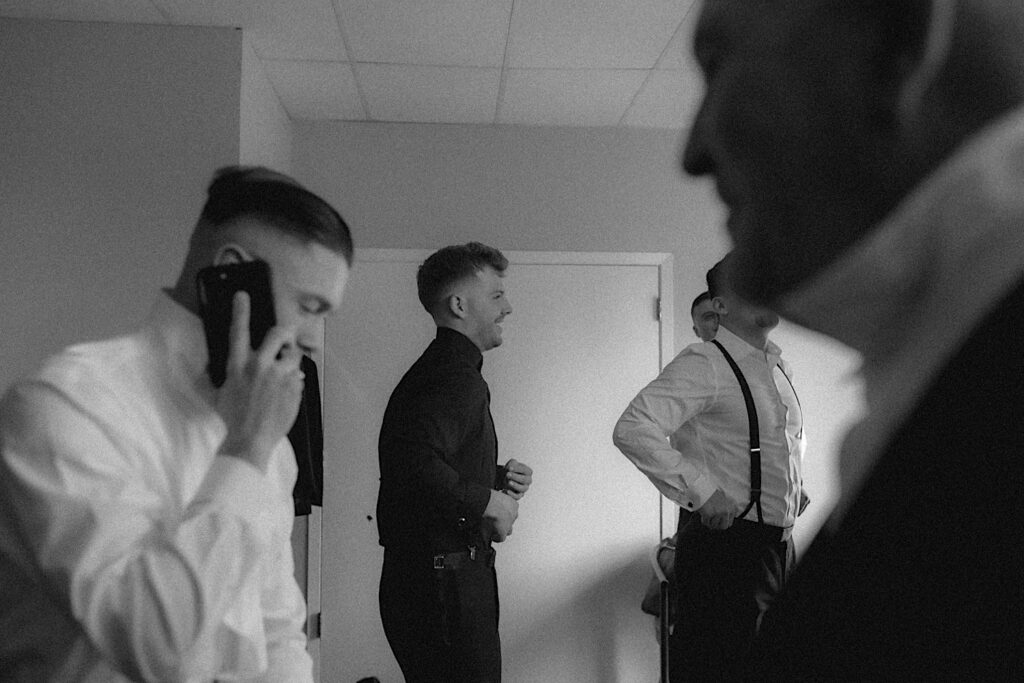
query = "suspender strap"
x=755 y=437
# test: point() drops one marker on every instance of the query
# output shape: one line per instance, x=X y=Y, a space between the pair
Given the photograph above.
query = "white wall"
x=534 y=189
x=105 y=157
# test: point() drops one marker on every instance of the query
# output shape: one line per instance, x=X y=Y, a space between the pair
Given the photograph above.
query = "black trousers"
x=725 y=581
x=441 y=624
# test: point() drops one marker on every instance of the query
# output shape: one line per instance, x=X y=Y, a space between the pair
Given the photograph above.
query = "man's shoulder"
x=698 y=355
x=92 y=362
x=90 y=374
x=440 y=376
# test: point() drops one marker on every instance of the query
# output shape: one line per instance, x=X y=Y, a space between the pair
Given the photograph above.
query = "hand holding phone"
x=216 y=287
x=256 y=362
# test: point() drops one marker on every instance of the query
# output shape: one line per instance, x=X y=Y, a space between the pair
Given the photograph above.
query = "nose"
x=308 y=337
x=696 y=158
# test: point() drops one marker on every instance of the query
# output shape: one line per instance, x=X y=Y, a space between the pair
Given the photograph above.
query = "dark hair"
x=716 y=277
x=703 y=296
x=449 y=265
x=272 y=197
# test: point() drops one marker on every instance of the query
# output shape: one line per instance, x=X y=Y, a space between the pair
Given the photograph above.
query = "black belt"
x=459 y=559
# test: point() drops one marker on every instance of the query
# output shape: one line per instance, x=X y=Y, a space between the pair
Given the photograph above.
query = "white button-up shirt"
x=688 y=429
x=128 y=548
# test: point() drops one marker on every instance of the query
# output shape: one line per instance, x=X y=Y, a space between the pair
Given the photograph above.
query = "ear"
x=230 y=253
x=719 y=306
x=456 y=306
x=905 y=47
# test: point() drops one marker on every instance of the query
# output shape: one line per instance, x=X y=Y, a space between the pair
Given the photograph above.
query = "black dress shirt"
x=438 y=451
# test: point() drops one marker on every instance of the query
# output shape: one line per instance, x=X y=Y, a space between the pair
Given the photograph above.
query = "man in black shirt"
x=443 y=499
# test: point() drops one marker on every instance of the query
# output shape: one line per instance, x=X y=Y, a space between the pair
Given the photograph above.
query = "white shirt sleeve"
x=185 y=596
x=284 y=615
x=681 y=392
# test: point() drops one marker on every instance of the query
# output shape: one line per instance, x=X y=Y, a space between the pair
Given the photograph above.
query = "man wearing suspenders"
x=720 y=432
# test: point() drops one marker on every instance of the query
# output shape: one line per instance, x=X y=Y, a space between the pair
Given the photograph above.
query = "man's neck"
x=461 y=329
x=756 y=337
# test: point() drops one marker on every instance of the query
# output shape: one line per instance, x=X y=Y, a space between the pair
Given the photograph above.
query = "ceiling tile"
x=426 y=32
x=428 y=94
x=316 y=90
x=209 y=13
x=546 y=97
x=668 y=99
x=592 y=34
x=287 y=29
x=136 y=11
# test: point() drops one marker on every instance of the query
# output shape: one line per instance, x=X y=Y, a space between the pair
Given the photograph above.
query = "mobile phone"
x=216 y=287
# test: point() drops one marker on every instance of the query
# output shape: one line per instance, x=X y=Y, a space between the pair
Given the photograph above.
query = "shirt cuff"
x=234 y=486
x=699 y=490
x=477 y=498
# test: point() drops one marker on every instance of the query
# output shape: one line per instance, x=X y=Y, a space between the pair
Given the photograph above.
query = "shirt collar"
x=461 y=345
x=179 y=333
x=911 y=292
x=930 y=271
x=739 y=348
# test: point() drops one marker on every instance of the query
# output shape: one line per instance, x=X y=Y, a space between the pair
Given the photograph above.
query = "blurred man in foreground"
x=871 y=155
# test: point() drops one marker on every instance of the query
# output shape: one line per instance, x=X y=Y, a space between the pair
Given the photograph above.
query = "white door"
x=583 y=338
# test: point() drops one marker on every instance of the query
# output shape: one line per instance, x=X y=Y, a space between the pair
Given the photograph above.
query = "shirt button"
x=461 y=523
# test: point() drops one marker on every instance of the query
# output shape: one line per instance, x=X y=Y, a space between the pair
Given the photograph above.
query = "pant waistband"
x=461 y=558
x=770 y=534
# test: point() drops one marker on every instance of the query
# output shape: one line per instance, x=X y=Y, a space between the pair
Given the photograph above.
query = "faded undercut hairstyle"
x=703 y=296
x=449 y=265
x=278 y=200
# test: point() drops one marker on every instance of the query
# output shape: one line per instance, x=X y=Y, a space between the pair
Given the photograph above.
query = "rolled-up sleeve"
x=161 y=595
x=680 y=392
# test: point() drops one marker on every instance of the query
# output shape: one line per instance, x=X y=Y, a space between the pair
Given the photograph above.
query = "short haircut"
x=716 y=277
x=449 y=265
x=278 y=200
x=702 y=297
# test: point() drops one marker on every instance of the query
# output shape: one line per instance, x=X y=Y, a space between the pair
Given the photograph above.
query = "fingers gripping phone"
x=216 y=287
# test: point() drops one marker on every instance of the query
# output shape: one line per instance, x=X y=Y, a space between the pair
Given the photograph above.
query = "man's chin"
x=753 y=275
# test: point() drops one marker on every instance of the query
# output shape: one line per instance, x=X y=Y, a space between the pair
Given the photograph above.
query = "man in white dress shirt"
x=144 y=514
x=739 y=489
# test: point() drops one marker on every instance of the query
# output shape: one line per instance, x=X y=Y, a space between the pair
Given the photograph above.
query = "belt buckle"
x=438 y=561
x=472 y=552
